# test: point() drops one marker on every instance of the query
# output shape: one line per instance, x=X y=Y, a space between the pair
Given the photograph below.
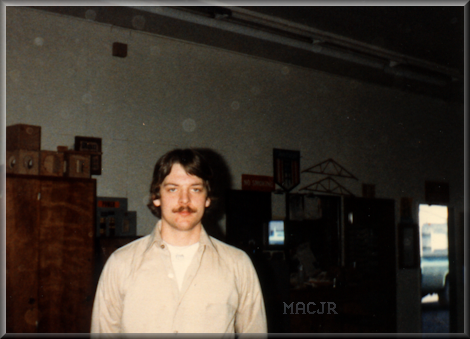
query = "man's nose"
x=184 y=197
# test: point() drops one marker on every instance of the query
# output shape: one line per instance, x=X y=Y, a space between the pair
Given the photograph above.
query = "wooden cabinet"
x=49 y=254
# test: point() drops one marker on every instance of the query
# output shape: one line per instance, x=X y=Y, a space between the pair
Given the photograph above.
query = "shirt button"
x=170 y=275
x=162 y=246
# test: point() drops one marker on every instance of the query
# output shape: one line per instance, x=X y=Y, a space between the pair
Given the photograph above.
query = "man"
x=178 y=279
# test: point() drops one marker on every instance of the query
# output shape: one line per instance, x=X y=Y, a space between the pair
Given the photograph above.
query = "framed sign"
x=286 y=168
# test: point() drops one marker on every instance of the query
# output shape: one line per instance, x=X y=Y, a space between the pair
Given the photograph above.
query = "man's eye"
x=171 y=189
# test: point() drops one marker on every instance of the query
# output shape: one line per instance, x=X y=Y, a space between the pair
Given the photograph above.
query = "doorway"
x=434 y=256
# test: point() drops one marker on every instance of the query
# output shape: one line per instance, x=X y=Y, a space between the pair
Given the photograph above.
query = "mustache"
x=184 y=209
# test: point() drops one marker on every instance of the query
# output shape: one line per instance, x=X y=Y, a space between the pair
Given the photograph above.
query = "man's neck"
x=180 y=238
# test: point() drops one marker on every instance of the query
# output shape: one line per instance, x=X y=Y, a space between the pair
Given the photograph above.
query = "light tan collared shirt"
x=138 y=292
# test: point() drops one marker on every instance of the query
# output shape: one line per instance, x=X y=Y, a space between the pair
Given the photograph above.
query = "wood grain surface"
x=50 y=254
x=22 y=230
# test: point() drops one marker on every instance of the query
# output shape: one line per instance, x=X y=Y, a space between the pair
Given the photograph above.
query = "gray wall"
x=62 y=76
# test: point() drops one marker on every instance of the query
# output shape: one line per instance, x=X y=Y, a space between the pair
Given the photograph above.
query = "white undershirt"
x=181 y=257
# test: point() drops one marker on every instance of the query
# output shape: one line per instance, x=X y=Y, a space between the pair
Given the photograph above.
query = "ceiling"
x=432 y=33
x=412 y=48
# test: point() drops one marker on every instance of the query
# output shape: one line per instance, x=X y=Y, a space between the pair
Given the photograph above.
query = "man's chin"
x=185 y=226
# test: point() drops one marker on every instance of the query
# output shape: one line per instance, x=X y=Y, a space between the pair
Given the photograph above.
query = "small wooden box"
x=23 y=137
x=92 y=145
x=77 y=164
x=22 y=162
x=95 y=163
x=88 y=144
x=51 y=163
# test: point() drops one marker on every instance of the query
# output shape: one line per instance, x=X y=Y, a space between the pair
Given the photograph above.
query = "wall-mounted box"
x=108 y=222
x=22 y=162
x=110 y=212
x=112 y=203
x=24 y=137
x=119 y=49
x=129 y=225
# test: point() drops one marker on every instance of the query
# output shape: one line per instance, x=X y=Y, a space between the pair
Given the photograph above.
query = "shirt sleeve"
x=251 y=314
x=107 y=306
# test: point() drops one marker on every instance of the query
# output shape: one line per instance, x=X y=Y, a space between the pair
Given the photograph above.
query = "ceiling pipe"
x=379 y=62
x=300 y=29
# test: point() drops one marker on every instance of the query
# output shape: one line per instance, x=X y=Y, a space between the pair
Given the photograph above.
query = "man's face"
x=183 y=199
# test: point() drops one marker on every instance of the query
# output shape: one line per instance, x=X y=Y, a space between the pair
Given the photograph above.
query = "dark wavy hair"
x=193 y=163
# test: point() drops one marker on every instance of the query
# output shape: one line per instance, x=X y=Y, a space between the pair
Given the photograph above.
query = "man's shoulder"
x=235 y=260
x=229 y=251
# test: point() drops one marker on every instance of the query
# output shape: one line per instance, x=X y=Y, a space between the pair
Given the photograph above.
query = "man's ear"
x=157 y=202
x=208 y=202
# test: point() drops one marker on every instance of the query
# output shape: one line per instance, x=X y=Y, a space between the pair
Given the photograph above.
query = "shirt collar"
x=156 y=237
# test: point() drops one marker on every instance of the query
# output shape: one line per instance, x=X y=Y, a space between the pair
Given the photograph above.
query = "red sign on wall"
x=108 y=204
x=257 y=183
